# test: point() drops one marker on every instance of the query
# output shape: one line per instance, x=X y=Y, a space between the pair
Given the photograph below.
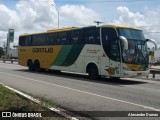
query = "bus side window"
x=115 y=51
x=28 y=41
x=25 y=40
x=110 y=43
x=77 y=37
x=51 y=39
x=22 y=41
x=34 y=40
x=41 y=39
x=92 y=36
x=62 y=38
x=38 y=40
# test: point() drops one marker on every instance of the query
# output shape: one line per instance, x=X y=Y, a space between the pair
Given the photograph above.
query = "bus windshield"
x=137 y=52
x=131 y=33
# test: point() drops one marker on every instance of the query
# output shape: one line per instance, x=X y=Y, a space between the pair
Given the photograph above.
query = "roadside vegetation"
x=1 y=52
x=13 y=102
x=10 y=101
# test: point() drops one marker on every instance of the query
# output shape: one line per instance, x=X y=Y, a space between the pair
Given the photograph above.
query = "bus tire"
x=37 y=66
x=92 y=71
x=30 y=65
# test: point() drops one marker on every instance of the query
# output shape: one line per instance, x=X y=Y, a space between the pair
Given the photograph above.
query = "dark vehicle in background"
x=156 y=63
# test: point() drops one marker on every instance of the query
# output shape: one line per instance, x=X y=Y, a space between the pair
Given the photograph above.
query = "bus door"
x=111 y=48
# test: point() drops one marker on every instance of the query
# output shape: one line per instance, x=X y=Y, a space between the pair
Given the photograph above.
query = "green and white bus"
x=108 y=51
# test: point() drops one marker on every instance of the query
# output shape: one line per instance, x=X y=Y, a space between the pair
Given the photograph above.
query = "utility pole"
x=57 y=12
x=8 y=44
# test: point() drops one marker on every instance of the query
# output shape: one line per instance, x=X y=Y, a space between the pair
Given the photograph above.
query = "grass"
x=47 y=102
x=13 y=102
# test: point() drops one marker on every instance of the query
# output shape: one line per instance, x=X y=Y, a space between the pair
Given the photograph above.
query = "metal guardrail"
x=154 y=71
x=12 y=60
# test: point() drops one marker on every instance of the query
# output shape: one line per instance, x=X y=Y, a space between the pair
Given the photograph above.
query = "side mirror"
x=124 y=41
x=153 y=41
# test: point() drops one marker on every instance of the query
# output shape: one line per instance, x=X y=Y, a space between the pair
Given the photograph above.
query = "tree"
x=1 y=52
x=4 y=45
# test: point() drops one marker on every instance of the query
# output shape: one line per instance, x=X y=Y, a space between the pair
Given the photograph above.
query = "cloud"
x=33 y=16
x=148 y=21
x=80 y=14
x=28 y=16
x=8 y=18
x=136 y=19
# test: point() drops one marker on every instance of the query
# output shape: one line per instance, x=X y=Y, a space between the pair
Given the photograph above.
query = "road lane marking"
x=13 y=66
x=139 y=105
x=9 y=63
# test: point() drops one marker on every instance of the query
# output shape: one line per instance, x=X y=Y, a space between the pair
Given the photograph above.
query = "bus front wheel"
x=92 y=71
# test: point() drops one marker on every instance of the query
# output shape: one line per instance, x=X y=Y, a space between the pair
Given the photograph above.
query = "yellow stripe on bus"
x=45 y=54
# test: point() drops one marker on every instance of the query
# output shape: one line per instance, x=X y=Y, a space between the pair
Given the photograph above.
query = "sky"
x=27 y=16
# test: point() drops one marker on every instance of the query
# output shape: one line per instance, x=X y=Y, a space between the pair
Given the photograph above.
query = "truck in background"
x=12 y=55
x=155 y=57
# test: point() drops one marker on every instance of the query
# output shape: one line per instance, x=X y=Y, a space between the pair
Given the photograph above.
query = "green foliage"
x=13 y=102
x=10 y=101
x=1 y=52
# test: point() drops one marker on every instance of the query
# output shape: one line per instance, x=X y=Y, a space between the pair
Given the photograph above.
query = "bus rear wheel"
x=37 y=66
x=30 y=66
x=92 y=71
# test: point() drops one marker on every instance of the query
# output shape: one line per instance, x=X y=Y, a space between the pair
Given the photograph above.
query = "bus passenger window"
x=51 y=39
x=92 y=36
x=38 y=40
x=22 y=40
x=25 y=40
x=77 y=37
x=115 y=51
x=106 y=37
x=62 y=38
x=110 y=43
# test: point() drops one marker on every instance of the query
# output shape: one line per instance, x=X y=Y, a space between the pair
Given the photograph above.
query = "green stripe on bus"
x=62 y=55
x=73 y=55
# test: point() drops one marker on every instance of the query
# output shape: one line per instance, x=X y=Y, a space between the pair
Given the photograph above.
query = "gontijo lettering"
x=42 y=50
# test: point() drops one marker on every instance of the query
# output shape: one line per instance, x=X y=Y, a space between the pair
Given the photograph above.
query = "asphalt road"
x=78 y=93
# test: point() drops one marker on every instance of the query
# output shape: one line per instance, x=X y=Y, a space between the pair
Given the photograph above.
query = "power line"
x=153 y=32
x=101 y=1
x=36 y=0
x=95 y=1
x=148 y=26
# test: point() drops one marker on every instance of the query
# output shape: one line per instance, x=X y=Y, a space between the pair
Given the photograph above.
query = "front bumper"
x=134 y=73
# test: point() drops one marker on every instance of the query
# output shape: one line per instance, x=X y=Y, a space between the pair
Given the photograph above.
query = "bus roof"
x=61 y=29
x=77 y=28
x=120 y=26
x=51 y=31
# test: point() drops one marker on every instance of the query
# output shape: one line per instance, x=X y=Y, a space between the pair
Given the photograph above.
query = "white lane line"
x=139 y=105
x=9 y=63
